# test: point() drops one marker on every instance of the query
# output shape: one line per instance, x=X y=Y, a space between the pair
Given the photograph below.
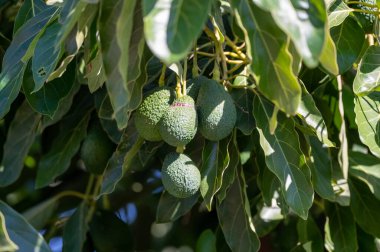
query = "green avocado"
x=180 y=177
x=193 y=86
x=179 y=124
x=150 y=111
x=96 y=149
x=216 y=111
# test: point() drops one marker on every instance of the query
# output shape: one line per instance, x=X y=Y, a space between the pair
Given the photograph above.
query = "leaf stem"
x=236 y=48
x=195 y=68
x=366 y=11
x=161 y=81
x=131 y=153
x=184 y=77
x=362 y=3
x=206 y=54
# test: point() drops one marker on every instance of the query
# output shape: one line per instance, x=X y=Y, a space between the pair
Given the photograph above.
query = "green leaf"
x=29 y=9
x=215 y=160
x=349 y=39
x=39 y=215
x=206 y=242
x=308 y=231
x=338 y=12
x=313 y=118
x=10 y=84
x=57 y=160
x=21 y=135
x=365 y=207
x=303 y=22
x=340 y=229
x=95 y=73
x=271 y=63
x=46 y=100
x=122 y=44
x=46 y=55
x=172 y=26
x=120 y=161
x=74 y=232
x=171 y=208
x=267 y=219
x=321 y=170
x=328 y=57
x=243 y=102
x=368 y=74
x=366 y=168
x=284 y=157
x=21 y=232
x=367 y=118
x=6 y=244
x=235 y=218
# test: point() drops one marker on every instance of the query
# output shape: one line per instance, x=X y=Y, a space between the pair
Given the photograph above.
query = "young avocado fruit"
x=179 y=124
x=96 y=149
x=180 y=177
x=216 y=111
x=150 y=111
x=193 y=86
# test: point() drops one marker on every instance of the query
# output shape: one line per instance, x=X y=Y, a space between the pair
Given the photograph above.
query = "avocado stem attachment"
x=180 y=149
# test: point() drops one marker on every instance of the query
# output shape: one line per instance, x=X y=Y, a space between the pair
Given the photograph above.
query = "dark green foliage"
x=96 y=149
x=217 y=112
x=180 y=176
x=150 y=111
x=179 y=123
x=193 y=86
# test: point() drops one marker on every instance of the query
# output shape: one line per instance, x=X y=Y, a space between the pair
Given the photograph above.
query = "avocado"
x=150 y=111
x=193 y=86
x=179 y=124
x=216 y=111
x=180 y=177
x=96 y=149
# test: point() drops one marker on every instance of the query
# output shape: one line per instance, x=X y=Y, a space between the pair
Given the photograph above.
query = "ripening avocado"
x=216 y=111
x=180 y=177
x=193 y=86
x=150 y=111
x=96 y=149
x=179 y=123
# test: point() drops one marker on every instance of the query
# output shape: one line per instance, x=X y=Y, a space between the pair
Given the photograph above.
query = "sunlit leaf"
x=328 y=58
x=367 y=78
x=271 y=65
x=171 y=26
x=6 y=244
x=21 y=232
x=338 y=12
x=284 y=157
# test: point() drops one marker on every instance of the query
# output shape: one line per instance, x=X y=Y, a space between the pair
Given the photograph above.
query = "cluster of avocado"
x=207 y=107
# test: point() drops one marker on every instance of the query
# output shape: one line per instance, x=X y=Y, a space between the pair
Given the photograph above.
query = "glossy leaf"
x=338 y=12
x=238 y=231
x=21 y=135
x=171 y=208
x=321 y=170
x=367 y=169
x=48 y=98
x=368 y=75
x=284 y=157
x=341 y=229
x=122 y=44
x=271 y=64
x=74 y=232
x=10 y=85
x=57 y=160
x=365 y=207
x=172 y=26
x=95 y=73
x=313 y=118
x=328 y=58
x=367 y=118
x=349 y=40
x=297 y=17
x=46 y=56
x=6 y=244
x=39 y=215
x=29 y=9
x=215 y=160
x=243 y=101
x=21 y=232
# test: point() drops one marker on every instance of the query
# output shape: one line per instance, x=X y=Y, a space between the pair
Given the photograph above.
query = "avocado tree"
x=198 y=125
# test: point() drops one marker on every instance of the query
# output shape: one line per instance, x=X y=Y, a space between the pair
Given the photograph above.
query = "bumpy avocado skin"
x=216 y=111
x=150 y=111
x=180 y=177
x=96 y=149
x=179 y=124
